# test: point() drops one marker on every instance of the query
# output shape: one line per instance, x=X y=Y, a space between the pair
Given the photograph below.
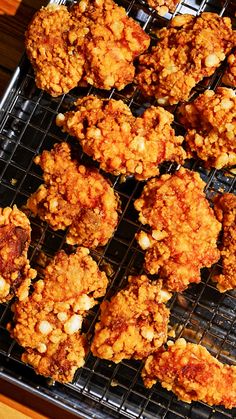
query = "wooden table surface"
x=14 y=18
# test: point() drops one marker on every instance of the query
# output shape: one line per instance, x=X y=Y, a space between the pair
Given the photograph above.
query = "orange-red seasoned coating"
x=229 y=77
x=193 y=374
x=121 y=143
x=76 y=197
x=133 y=324
x=211 y=127
x=47 y=324
x=225 y=210
x=189 y=50
x=163 y=6
x=184 y=230
x=15 y=271
x=94 y=41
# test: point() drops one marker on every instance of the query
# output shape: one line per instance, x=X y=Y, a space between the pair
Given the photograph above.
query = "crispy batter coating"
x=229 y=77
x=225 y=210
x=163 y=6
x=211 y=127
x=189 y=50
x=94 y=41
x=76 y=197
x=193 y=374
x=15 y=271
x=184 y=229
x=121 y=143
x=48 y=322
x=134 y=323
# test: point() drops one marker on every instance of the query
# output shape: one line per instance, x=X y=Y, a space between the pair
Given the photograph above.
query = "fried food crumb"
x=192 y=373
x=15 y=271
x=133 y=324
x=76 y=197
x=121 y=143
x=184 y=230
x=48 y=323
x=163 y=6
x=229 y=77
x=211 y=127
x=225 y=210
x=189 y=50
x=94 y=41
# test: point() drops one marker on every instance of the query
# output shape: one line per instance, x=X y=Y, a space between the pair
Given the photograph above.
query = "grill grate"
x=201 y=314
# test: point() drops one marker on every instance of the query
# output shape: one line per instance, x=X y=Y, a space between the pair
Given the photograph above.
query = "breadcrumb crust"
x=193 y=374
x=121 y=143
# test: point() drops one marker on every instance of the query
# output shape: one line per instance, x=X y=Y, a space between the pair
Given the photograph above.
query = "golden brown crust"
x=211 y=127
x=225 y=210
x=94 y=41
x=121 y=143
x=229 y=77
x=15 y=271
x=193 y=374
x=189 y=50
x=78 y=198
x=184 y=229
x=133 y=324
x=163 y=6
x=48 y=322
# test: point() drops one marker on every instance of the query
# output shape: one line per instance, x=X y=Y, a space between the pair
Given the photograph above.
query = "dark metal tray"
x=201 y=314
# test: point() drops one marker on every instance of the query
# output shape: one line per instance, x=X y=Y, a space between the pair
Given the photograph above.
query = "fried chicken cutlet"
x=191 y=48
x=210 y=121
x=133 y=324
x=47 y=324
x=76 y=197
x=184 y=230
x=192 y=373
x=93 y=42
x=229 y=77
x=121 y=143
x=163 y=6
x=15 y=270
x=225 y=210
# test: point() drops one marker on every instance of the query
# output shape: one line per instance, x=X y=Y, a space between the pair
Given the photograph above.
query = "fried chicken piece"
x=192 y=373
x=184 y=229
x=48 y=322
x=94 y=41
x=134 y=323
x=189 y=50
x=15 y=270
x=229 y=77
x=121 y=143
x=211 y=127
x=225 y=210
x=163 y=6
x=76 y=197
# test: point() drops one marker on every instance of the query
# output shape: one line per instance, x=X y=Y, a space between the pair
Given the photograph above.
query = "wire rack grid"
x=201 y=314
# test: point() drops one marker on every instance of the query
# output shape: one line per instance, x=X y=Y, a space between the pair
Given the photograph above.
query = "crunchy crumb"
x=121 y=143
x=225 y=210
x=134 y=323
x=189 y=50
x=163 y=6
x=15 y=271
x=48 y=323
x=94 y=41
x=78 y=198
x=193 y=374
x=184 y=230
x=211 y=127
x=229 y=77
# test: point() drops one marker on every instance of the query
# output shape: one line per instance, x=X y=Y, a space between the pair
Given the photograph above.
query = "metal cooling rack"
x=201 y=314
